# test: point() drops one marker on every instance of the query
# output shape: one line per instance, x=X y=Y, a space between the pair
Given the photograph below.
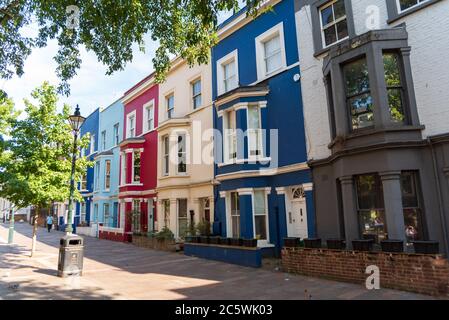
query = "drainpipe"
x=440 y=197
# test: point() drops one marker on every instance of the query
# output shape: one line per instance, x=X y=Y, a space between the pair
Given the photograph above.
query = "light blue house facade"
x=83 y=213
x=107 y=166
x=264 y=187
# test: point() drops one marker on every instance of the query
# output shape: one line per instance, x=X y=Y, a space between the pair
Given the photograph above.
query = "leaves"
x=36 y=169
x=110 y=28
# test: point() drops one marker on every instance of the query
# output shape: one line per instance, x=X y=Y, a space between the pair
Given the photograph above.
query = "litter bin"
x=71 y=252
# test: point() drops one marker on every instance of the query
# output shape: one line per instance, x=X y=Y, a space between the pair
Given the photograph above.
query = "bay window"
x=371 y=207
x=394 y=87
x=182 y=154
x=182 y=218
x=124 y=169
x=235 y=215
x=230 y=133
x=260 y=215
x=411 y=203
x=107 y=179
x=358 y=94
x=166 y=155
x=254 y=131
x=136 y=166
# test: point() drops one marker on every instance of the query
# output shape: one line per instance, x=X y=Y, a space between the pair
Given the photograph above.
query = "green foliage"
x=110 y=28
x=165 y=233
x=203 y=228
x=37 y=168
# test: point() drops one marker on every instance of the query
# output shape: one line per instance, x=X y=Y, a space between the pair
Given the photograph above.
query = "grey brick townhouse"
x=375 y=88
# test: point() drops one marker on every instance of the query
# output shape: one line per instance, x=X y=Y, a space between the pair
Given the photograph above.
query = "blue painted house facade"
x=107 y=166
x=84 y=210
x=263 y=184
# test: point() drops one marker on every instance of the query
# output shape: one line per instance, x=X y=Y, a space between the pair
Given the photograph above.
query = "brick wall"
x=113 y=236
x=153 y=243
x=426 y=274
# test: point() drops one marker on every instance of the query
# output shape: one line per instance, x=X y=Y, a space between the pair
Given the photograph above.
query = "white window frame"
x=419 y=2
x=107 y=177
x=165 y=156
x=184 y=135
x=266 y=193
x=92 y=143
x=148 y=123
x=103 y=140
x=192 y=83
x=322 y=27
x=116 y=134
x=251 y=133
x=129 y=116
x=123 y=169
x=277 y=30
x=83 y=182
x=177 y=215
x=229 y=215
x=167 y=110
x=230 y=134
x=133 y=166
x=97 y=175
x=83 y=211
x=233 y=56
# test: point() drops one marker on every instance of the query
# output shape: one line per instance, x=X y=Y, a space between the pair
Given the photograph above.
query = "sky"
x=90 y=88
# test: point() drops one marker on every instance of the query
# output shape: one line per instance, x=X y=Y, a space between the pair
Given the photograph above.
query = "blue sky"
x=90 y=88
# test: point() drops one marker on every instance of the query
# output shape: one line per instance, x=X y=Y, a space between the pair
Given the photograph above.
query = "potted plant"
x=236 y=242
x=426 y=247
x=203 y=227
x=291 y=242
x=363 y=244
x=251 y=243
x=312 y=243
x=336 y=244
x=392 y=245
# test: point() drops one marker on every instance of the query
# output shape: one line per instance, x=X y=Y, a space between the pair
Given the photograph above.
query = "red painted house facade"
x=138 y=159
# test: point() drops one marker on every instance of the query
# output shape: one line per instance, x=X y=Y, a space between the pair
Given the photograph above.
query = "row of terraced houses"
x=319 y=118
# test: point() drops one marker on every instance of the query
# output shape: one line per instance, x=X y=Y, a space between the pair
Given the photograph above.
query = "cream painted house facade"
x=185 y=148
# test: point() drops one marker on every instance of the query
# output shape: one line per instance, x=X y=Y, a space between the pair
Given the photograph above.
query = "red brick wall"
x=113 y=236
x=426 y=274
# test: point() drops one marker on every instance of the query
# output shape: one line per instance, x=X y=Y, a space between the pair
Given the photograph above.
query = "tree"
x=110 y=28
x=36 y=167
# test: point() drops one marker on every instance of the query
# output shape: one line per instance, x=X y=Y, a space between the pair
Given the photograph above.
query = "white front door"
x=297 y=219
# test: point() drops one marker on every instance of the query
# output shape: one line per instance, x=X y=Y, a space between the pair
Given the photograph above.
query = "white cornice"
x=240 y=94
x=262 y=172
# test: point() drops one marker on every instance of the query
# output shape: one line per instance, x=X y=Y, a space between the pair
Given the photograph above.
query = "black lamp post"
x=76 y=120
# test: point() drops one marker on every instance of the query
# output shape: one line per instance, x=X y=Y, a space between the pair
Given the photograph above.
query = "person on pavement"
x=49 y=223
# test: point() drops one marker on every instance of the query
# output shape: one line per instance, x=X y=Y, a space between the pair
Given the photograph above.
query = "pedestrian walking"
x=49 y=223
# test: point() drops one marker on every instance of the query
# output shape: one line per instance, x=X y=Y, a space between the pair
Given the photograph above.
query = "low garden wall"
x=244 y=256
x=426 y=274
x=154 y=243
x=114 y=235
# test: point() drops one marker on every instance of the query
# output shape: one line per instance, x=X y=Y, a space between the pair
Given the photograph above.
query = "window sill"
x=264 y=244
x=396 y=16
x=250 y=160
x=131 y=185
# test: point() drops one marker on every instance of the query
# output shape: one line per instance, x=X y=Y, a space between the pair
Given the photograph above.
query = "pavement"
x=115 y=270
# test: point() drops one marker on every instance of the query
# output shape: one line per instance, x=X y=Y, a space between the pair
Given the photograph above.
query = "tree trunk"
x=33 y=241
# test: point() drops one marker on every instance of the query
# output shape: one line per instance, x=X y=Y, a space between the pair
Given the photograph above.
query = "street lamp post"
x=71 y=250
x=76 y=120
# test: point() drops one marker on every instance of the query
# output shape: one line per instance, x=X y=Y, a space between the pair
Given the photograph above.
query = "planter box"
x=204 y=239
x=236 y=242
x=312 y=243
x=248 y=257
x=214 y=240
x=426 y=247
x=363 y=245
x=225 y=241
x=251 y=243
x=392 y=245
x=154 y=243
x=292 y=242
x=336 y=244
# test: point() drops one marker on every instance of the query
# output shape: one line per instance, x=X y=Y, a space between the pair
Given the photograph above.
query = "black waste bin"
x=71 y=253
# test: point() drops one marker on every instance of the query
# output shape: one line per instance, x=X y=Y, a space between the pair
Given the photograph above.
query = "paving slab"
x=114 y=270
